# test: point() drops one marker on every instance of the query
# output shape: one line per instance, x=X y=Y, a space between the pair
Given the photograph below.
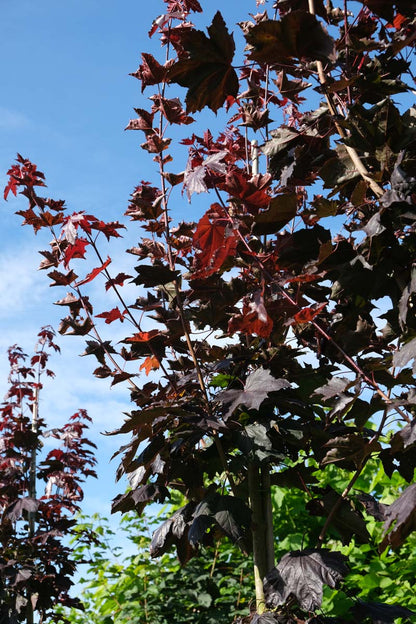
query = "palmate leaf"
x=380 y=613
x=303 y=574
x=15 y=510
x=347 y=521
x=282 y=209
x=228 y=513
x=215 y=239
x=403 y=513
x=207 y=72
x=172 y=530
x=256 y=389
x=298 y=35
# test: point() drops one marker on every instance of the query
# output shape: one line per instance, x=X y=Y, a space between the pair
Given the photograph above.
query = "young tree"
x=35 y=564
x=268 y=361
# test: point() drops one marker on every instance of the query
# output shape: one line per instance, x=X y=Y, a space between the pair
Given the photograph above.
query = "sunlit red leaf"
x=112 y=315
x=93 y=273
x=77 y=250
x=399 y=20
x=254 y=318
x=12 y=185
x=151 y=363
x=216 y=239
x=252 y=191
x=143 y=336
x=308 y=314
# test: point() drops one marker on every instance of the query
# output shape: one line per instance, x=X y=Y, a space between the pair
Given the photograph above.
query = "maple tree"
x=36 y=569
x=273 y=362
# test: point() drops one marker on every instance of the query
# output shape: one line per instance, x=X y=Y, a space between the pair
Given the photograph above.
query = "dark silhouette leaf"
x=155 y=275
x=303 y=574
x=229 y=513
x=297 y=35
x=16 y=509
x=373 y=506
x=256 y=389
x=403 y=513
x=207 y=72
x=172 y=530
x=348 y=522
x=282 y=209
x=380 y=613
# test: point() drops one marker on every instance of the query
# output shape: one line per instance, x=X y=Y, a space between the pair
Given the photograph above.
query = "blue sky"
x=66 y=98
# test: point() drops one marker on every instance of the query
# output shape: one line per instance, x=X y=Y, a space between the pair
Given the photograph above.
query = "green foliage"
x=118 y=588
x=122 y=583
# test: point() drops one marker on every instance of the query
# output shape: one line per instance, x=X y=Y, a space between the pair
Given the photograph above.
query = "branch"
x=375 y=187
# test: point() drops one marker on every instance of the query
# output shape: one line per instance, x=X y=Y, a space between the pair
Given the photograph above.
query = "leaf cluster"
x=36 y=567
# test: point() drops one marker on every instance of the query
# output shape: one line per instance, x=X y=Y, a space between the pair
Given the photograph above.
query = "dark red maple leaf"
x=12 y=184
x=171 y=109
x=118 y=280
x=252 y=191
x=108 y=229
x=178 y=6
x=150 y=72
x=144 y=121
x=297 y=35
x=62 y=279
x=206 y=71
x=25 y=173
x=216 y=239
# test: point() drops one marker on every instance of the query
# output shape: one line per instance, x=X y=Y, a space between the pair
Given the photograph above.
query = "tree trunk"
x=262 y=531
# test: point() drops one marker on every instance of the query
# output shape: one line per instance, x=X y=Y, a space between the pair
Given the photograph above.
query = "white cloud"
x=21 y=287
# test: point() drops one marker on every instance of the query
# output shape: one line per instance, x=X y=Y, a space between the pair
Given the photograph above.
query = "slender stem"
x=259 y=550
x=339 y=502
x=375 y=187
x=32 y=471
x=32 y=486
x=180 y=308
x=268 y=517
x=130 y=315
